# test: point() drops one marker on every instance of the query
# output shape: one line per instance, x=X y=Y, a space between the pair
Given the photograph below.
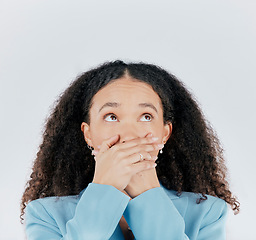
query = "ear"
x=87 y=134
x=167 y=132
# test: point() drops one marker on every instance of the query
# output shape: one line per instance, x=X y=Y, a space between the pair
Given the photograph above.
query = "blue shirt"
x=157 y=214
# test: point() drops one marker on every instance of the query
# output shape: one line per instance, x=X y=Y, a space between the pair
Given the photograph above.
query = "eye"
x=110 y=117
x=147 y=117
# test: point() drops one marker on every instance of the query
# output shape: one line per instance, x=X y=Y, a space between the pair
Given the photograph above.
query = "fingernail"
x=155 y=165
x=155 y=139
x=114 y=137
x=160 y=145
x=154 y=158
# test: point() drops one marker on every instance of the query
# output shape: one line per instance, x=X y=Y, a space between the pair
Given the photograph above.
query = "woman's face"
x=126 y=107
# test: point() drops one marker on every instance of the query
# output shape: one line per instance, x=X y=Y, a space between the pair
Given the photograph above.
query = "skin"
x=122 y=129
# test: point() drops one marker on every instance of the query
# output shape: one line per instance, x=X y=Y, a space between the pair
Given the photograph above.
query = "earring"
x=161 y=150
x=89 y=147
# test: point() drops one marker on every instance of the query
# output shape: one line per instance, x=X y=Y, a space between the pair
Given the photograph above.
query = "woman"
x=95 y=175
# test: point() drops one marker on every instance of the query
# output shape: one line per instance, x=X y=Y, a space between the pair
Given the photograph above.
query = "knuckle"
x=145 y=165
x=144 y=148
x=155 y=147
x=128 y=169
x=127 y=163
x=116 y=152
x=148 y=148
x=114 y=148
x=146 y=155
x=120 y=153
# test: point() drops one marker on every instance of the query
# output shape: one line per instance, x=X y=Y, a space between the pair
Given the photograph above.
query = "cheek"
x=158 y=130
x=100 y=134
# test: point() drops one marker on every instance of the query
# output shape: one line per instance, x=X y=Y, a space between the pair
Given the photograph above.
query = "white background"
x=209 y=45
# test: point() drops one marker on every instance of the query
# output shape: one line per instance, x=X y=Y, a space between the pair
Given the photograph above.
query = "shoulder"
x=55 y=200
x=49 y=207
x=211 y=202
x=212 y=206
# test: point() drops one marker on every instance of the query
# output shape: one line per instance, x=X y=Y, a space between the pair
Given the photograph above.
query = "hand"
x=116 y=163
x=142 y=181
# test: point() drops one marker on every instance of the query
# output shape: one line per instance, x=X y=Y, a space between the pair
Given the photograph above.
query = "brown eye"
x=147 y=117
x=110 y=117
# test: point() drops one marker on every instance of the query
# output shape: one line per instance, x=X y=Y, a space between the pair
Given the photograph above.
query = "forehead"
x=127 y=91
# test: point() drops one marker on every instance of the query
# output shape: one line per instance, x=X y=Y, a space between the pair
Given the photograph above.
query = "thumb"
x=108 y=143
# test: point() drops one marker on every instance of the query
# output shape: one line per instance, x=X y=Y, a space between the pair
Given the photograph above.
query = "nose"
x=127 y=136
x=129 y=132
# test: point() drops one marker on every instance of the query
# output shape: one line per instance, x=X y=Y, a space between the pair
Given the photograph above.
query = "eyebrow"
x=110 y=104
x=115 y=105
x=150 y=105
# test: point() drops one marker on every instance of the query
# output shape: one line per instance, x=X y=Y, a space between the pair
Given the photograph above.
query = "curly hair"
x=192 y=159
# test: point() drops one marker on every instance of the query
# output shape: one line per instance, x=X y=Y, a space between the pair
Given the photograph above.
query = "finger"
x=138 y=141
x=141 y=166
x=141 y=156
x=108 y=143
x=152 y=153
x=140 y=148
